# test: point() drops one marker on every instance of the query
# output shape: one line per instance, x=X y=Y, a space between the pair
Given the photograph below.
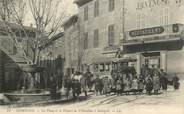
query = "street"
x=170 y=101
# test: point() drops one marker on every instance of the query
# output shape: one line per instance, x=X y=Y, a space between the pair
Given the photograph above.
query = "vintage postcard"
x=92 y=56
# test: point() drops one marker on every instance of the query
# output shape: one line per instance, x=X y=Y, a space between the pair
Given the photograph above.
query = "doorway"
x=151 y=59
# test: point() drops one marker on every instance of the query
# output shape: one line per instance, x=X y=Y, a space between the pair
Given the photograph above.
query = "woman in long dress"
x=134 y=85
x=156 y=83
x=127 y=85
x=106 y=86
x=119 y=86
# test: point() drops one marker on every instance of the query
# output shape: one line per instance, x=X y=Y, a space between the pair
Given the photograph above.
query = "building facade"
x=101 y=28
x=149 y=30
x=155 y=33
x=73 y=53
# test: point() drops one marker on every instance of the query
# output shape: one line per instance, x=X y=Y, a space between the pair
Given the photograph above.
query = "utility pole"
x=123 y=24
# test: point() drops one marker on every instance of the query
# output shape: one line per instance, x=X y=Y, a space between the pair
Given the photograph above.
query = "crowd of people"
x=150 y=81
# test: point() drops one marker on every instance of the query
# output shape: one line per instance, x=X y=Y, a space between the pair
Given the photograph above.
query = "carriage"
x=106 y=66
x=113 y=68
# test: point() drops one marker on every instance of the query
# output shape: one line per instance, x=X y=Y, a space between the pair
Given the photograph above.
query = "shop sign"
x=147 y=31
x=151 y=3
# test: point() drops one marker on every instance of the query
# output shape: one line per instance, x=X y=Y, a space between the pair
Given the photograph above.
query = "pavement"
x=168 y=102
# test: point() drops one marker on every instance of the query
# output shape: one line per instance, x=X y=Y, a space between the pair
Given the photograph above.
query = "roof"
x=16 y=26
x=124 y=60
x=73 y=19
x=17 y=29
x=102 y=60
x=81 y=2
x=111 y=59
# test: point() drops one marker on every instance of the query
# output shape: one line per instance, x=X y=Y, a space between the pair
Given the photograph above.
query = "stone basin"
x=16 y=97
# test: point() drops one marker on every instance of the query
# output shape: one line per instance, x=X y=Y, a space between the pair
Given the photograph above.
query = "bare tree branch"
x=47 y=21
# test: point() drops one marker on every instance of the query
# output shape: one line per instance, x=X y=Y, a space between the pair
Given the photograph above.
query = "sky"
x=70 y=9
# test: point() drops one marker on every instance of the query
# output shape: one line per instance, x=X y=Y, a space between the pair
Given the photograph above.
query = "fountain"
x=32 y=93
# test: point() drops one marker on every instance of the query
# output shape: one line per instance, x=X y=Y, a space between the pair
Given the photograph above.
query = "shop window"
x=102 y=67
x=96 y=67
x=107 y=67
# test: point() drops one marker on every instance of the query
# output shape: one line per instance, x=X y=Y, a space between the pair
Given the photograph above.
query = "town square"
x=92 y=56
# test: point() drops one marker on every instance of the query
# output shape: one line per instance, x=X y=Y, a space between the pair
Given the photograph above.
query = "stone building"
x=101 y=28
x=73 y=51
x=154 y=33
x=106 y=25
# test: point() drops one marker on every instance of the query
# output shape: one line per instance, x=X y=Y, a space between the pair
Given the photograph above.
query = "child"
x=141 y=85
x=176 y=83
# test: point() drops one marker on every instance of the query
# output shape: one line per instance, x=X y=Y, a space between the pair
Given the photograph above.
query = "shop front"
x=156 y=46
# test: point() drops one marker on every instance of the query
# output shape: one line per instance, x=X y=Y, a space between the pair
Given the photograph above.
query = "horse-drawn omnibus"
x=105 y=67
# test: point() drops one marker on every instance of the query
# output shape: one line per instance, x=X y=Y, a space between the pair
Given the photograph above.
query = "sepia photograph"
x=92 y=56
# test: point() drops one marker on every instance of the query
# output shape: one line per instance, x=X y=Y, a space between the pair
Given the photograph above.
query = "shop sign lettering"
x=147 y=31
x=151 y=3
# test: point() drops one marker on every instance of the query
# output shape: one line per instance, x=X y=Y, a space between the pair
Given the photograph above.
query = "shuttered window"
x=96 y=8
x=85 y=40
x=96 y=39
x=86 y=13
x=111 y=5
x=111 y=35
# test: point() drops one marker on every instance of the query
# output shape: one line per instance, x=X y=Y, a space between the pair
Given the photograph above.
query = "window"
x=102 y=67
x=86 y=13
x=85 y=40
x=96 y=8
x=165 y=16
x=111 y=35
x=107 y=66
x=96 y=67
x=111 y=5
x=96 y=38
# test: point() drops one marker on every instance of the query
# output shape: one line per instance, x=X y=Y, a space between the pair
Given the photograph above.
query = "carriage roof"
x=112 y=59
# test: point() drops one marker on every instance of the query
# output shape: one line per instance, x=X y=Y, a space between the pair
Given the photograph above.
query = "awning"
x=151 y=41
x=124 y=60
x=98 y=60
x=155 y=45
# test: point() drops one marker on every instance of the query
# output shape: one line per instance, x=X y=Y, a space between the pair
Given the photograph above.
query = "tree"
x=47 y=18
